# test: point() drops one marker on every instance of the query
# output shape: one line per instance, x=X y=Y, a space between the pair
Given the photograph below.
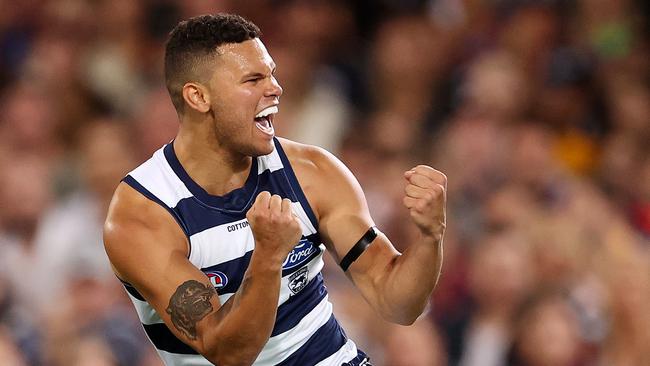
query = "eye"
x=254 y=80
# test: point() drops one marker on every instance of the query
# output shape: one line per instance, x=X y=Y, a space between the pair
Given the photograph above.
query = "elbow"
x=403 y=319
x=405 y=315
x=408 y=320
x=228 y=353
x=228 y=349
x=230 y=358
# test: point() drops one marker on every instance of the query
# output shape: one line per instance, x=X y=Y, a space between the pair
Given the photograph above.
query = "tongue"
x=264 y=125
x=262 y=121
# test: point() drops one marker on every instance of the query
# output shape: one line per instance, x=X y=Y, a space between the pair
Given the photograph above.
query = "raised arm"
x=148 y=249
x=398 y=286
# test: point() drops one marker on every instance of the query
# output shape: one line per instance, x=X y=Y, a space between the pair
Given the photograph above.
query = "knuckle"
x=423 y=168
x=264 y=194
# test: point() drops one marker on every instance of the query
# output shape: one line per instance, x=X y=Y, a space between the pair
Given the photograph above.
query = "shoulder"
x=129 y=206
x=324 y=178
x=136 y=224
x=309 y=159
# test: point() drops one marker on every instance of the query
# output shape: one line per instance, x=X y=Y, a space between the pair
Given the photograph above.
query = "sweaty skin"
x=216 y=144
x=398 y=286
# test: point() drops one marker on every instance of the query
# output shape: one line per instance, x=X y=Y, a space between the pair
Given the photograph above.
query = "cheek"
x=241 y=103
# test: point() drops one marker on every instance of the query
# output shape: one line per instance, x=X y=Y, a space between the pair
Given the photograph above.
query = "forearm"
x=409 y=280
x=243 y=325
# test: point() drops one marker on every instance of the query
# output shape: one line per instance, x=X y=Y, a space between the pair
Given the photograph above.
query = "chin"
x=267 y=149
x=261 y=149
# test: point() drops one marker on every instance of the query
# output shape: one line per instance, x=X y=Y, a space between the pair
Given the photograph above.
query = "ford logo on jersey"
x=299 y=255
x=217 y=279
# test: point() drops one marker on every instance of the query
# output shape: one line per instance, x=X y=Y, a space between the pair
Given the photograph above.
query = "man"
x=182 y=227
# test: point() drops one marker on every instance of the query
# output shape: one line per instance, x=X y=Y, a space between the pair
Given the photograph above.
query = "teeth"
x=267 y=111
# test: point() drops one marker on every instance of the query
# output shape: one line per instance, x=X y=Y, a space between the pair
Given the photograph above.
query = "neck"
x=211 y=165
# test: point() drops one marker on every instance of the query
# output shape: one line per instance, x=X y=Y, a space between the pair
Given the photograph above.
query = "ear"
x=197 y=97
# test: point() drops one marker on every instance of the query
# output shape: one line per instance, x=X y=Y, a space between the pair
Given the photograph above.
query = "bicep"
x=344 y=219
x=151 y=256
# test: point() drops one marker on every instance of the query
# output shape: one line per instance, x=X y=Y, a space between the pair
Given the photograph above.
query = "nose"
x=274 y=89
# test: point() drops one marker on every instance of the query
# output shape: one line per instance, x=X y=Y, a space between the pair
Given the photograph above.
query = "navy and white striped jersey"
x=221 y=244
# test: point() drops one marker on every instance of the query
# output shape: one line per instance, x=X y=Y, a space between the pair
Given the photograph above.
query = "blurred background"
x=537 y=111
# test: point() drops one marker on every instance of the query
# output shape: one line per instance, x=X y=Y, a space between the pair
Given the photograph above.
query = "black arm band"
x=359 y=248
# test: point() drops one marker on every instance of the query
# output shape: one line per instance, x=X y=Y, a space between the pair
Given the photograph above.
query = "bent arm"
x=397 y=285
x=147 y=249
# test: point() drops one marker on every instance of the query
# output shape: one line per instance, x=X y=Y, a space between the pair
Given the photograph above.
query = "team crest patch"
x=298 y=280
x=218 y=279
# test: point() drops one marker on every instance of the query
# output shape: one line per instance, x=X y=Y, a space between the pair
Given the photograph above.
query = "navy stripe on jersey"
x=163 y=339
x=234 y=269
x=288 y=271
x=200 y=217
x=328 y=339
x=138 y=187
x=315 y=240
x=291 y=312
x=294 y=185
x=132 y=291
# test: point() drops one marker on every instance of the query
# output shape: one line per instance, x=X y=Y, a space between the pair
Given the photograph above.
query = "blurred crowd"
x=537 y=111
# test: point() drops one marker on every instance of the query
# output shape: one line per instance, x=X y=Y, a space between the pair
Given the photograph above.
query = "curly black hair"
x=192 y=40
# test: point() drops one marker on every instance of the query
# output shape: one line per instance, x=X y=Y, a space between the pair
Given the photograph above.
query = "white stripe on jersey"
x=345 y=354
x=305 y=223
x=146 y=312
x=276 y=350
x=225 y=297
x=158 y=178
x=314 y=266
x=218 y=242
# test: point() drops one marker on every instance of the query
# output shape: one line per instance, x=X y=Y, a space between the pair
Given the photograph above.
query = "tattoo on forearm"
x=189 y=304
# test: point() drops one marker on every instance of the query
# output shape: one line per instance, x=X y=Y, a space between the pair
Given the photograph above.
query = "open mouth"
x=264 y=119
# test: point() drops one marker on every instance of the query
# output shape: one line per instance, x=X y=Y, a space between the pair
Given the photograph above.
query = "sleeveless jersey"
x=221 y=244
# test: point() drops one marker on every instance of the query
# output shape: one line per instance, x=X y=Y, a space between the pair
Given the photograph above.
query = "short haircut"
x=194 y=41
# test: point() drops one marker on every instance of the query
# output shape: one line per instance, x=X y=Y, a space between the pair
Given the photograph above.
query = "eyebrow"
x=251 y=75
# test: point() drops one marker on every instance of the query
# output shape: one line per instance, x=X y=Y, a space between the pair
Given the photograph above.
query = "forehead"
x=247 y=56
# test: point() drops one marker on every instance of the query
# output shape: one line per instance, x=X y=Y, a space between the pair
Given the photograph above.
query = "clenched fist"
x=275 y=229
x=426 y=198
